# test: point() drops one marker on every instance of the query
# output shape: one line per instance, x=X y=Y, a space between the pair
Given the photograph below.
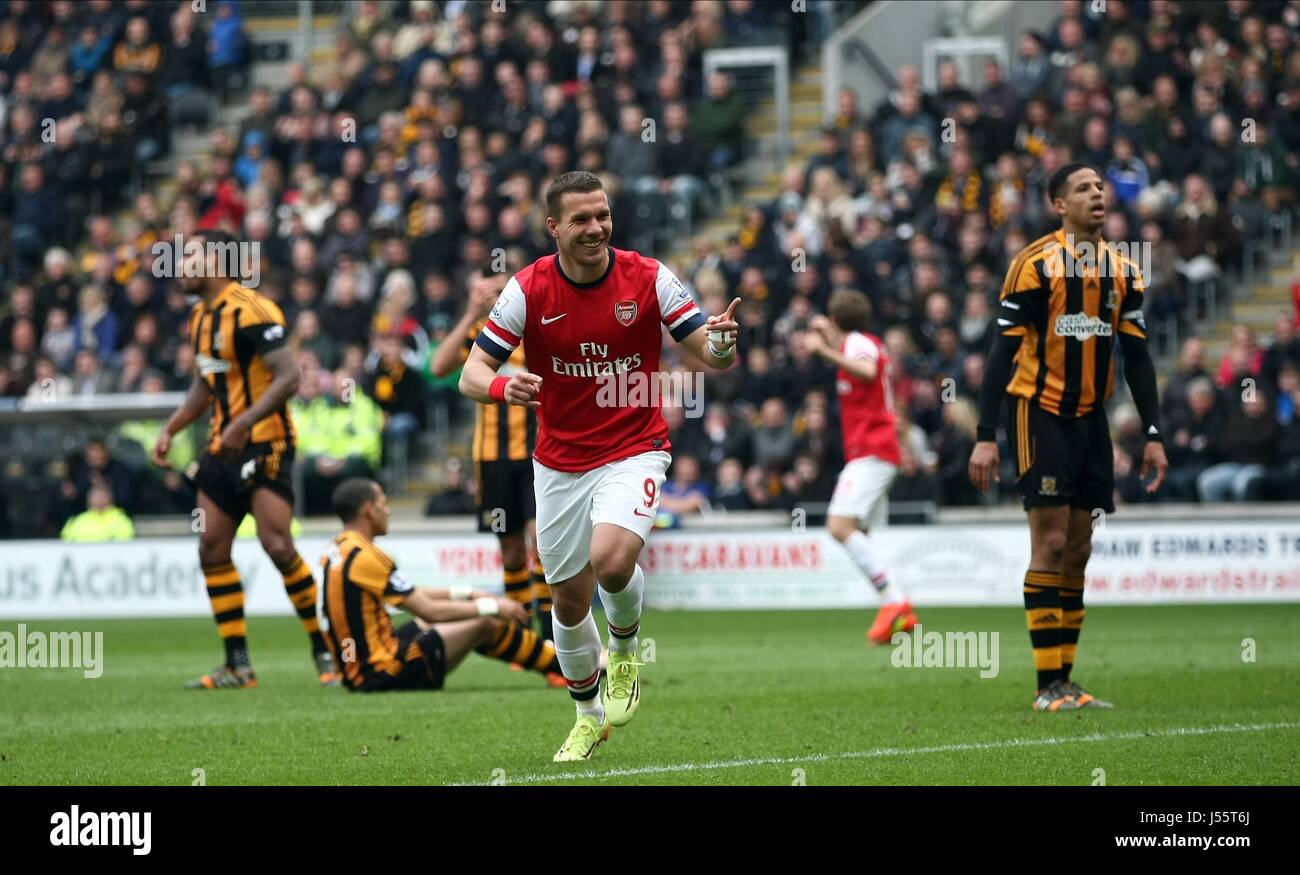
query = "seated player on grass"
x=360 y=581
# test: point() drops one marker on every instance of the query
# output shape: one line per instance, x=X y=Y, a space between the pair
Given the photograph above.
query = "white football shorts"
x=862 y=491
x=569 y=505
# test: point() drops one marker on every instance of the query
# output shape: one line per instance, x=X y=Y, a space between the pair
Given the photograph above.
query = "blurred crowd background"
x=377 y=187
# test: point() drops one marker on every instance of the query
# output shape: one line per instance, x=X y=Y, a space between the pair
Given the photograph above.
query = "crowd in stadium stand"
x=1191 y=112
x=378 y=182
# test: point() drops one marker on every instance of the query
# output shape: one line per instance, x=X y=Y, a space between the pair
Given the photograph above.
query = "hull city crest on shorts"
x=1048 y=486
x=625 y=312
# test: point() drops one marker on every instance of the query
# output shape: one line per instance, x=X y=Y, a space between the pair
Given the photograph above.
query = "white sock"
x=623 y=613
x=863 y=551
x=578 y=649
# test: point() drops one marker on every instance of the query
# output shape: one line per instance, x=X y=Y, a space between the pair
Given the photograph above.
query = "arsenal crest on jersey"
x=625 y=312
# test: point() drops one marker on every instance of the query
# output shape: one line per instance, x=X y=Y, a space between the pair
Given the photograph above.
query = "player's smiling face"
x=583 y=227
x=1083 y=203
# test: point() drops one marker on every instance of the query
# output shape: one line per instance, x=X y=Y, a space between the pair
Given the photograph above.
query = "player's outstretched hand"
x=984 y=465
x=1154 y=457
x=512 y=610
x=161 y=448
x=723 y=327
x=522 y=390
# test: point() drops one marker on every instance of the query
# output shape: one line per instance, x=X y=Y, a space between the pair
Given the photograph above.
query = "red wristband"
x=497 y=388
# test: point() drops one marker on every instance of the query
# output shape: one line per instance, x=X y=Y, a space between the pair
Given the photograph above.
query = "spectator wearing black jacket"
x=913 y=483
x=818 y=438
x=1283 y=351
x=1247 y=445
x=679 y=159
x=396 y=387
x=953 y=443
x=729 y=493
x=761 y=381
x=98 y=466
x=185 y=68
x=1193 y=428
x=111 y=155
x=144 y=117
x=723 y=436
x=346 y=319
x=37 y=220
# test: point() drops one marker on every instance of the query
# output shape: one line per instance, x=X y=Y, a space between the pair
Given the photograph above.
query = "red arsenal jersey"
x=867 y=406
x=583 y=339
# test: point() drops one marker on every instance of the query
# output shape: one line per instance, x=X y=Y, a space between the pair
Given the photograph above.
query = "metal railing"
x=962 y=51
x=89 y=409
x=896 y=32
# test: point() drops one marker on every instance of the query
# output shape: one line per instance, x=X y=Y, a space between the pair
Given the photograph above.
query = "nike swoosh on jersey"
x=548 y=320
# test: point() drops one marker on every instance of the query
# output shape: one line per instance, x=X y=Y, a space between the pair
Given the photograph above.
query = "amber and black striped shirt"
x=359 y=581
x=1068 y=313
x=230 y=334
x=502 y=432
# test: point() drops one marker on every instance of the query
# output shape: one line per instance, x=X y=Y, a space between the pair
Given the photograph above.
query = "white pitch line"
x=554 y=777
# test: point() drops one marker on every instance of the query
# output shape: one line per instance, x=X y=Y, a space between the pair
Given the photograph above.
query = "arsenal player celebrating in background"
x=586 y=315
x=860 y=500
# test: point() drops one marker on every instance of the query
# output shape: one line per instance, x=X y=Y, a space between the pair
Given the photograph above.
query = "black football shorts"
x=421 y=663
x=1061 y=460
x=230 y=478
x=505 y=496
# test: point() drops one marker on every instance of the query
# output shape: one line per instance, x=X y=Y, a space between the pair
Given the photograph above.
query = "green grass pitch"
x=731 y=698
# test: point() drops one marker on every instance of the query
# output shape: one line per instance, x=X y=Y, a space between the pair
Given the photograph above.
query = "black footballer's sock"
x=226 y=595
x=1043 y=612
x=300 y=586
x=518 y=586
x=522 y=646
x=1071 y=620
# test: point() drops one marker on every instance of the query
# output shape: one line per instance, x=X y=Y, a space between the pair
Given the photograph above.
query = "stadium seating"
x=873 y=196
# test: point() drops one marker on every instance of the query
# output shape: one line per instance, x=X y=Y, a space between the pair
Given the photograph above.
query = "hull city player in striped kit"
x=359 y=581
x=502 y=451
x=588 y=315
x=1067 y=298
x=246 y=375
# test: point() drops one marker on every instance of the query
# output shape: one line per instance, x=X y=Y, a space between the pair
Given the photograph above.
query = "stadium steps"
x=1257 y=307
x=760 y=174
x=261 y=28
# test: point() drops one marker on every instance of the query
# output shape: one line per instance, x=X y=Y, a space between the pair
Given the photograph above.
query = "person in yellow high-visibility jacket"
x=341 y=433
x=102 y=520
x=248 y=528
